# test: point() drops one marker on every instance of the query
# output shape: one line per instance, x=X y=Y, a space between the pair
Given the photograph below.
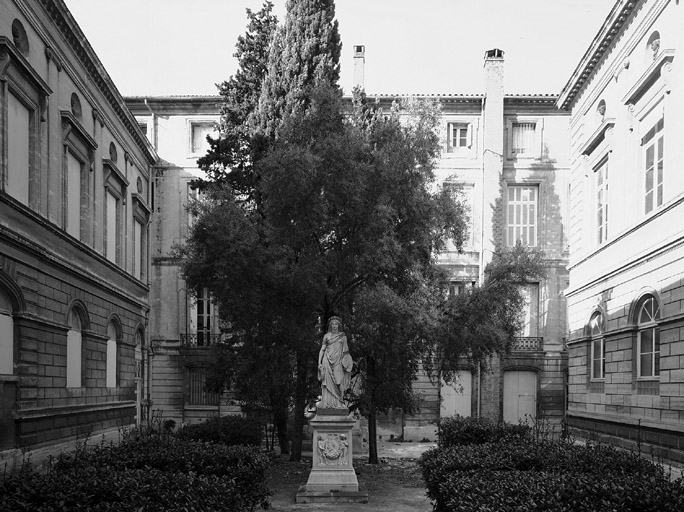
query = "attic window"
x=112 y=152
x=76 y=106
x=19 y=37
x=653 y=46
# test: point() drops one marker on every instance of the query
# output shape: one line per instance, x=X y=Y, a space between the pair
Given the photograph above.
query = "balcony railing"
x=199 y=340
x=528 y=343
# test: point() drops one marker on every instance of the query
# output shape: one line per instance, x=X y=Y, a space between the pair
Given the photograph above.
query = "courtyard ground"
x=394 y=485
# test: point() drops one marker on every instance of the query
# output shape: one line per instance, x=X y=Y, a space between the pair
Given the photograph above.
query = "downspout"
x=479 y=390
x=153 y=125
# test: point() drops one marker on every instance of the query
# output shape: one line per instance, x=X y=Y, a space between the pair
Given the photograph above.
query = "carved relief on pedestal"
x=332 y=449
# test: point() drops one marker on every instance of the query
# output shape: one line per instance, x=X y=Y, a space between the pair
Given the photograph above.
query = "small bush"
x=228 y=430
x=458 y=431
x=150 y=473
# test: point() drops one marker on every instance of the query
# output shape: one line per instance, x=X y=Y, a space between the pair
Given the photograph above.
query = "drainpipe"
x=153 y=126
x=479 y=390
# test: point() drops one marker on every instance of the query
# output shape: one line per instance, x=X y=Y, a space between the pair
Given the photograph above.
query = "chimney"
x=359 y=63
x=493 y=106
x=492 y=155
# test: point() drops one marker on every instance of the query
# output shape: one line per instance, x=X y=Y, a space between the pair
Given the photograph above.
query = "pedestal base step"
x=332 y=496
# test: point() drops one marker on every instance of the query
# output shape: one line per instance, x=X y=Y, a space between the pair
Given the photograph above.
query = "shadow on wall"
x=537 y=187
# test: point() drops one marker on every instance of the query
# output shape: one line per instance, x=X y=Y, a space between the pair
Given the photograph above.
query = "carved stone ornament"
x=332 y=449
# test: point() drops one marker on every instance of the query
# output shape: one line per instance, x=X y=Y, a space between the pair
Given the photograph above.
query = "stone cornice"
x=596 y=51
x=60 y=15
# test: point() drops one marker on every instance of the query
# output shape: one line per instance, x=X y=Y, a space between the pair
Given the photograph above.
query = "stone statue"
x=334 y=367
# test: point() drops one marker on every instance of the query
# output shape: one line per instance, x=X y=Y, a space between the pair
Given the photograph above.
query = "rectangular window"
x=601 y=175
x=112 y=227
x=653 y=143
x=530 y=313
x=521 y=220
x=598 y=358
x=459 y=137
x=18 y=140
x=459 y=287
x=649 y=353
x=137 y=250
x=204 y=319
x=73 y=369
x=111 y=363
x=196 y=392
x=464 y=194
x=198 y=135
x=74 y=172
x=6 y=341
x=523 y=138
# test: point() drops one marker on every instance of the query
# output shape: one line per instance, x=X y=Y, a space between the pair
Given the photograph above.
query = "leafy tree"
x=313 y=209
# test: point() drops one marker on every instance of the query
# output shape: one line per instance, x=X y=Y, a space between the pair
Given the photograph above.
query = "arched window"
x=76 y=106
x=19 y=37
x=648 y=342
x=74 y=346
x=598 y=347
x=6 y=336
x=112 y=355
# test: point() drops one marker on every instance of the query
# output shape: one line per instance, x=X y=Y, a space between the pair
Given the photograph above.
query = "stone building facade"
x=508 y=158
x=183 y=328
x=625 y=308
x=513 y=176
x=74 y=210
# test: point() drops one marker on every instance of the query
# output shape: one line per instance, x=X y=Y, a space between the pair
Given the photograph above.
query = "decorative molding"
x=596 y=51
x=111 y=170
x=654 y=71
x=69 y=119
x=9 y=53
x=46 y=412
x=604 y=131
x=139 y=201
x=50 y=55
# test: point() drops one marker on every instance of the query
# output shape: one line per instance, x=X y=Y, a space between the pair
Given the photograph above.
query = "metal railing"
x=528 y=343
x=199 y=339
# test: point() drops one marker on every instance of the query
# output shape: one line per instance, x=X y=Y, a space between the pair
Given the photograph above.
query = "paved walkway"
x=392 y=498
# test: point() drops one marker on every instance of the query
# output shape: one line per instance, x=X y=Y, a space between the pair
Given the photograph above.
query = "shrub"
x=151 y=473
x=228 y=430
x=523 y=474
x=458 y=431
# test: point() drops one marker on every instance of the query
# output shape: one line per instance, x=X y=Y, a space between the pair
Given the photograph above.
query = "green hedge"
x=228 y=430
x=458 y=431
x=155 y=473
x=521 y=474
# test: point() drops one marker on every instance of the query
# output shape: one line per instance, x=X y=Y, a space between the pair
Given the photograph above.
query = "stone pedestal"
x=332 y=478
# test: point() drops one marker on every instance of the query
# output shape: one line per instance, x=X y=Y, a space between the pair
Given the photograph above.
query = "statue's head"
x=334 y=324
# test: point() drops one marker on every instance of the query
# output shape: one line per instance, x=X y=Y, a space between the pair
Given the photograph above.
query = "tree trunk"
x=280 y=424
x=299 y=407
x=372 y=435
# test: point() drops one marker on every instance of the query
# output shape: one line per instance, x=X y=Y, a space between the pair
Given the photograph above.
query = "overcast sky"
x=182 y=47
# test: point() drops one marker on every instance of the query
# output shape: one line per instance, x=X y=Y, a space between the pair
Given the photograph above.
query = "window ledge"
x=653 y=72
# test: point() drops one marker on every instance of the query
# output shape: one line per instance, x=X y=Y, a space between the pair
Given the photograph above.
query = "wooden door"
x=520 y=396
x=457 y=396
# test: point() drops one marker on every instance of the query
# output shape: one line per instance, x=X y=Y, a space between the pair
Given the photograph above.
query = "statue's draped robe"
x=335 y=365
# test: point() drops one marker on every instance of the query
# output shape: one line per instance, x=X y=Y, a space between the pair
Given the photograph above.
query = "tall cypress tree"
x=304 y=58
